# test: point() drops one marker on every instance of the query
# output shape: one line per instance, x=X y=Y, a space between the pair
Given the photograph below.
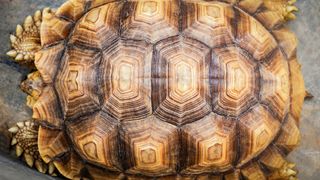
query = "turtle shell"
x=166 y=89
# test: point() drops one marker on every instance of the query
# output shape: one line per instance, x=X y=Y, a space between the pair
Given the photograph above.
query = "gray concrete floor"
x=13 y=108
x=307 y=28
x=11 y=169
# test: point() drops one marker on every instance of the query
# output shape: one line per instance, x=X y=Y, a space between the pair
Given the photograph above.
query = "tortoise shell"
x=165 y=89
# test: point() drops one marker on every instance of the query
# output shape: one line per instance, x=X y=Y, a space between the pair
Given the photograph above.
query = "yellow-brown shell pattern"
x=156 y=88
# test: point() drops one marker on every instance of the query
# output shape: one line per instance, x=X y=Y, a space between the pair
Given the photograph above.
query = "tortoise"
x=161 y=89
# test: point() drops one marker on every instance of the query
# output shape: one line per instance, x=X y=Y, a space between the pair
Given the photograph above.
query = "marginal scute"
x=250 y=6
x=275 y=90
x=99 y=27
x=47 y=61
x=253 y=37
x=77 y=82
x=69 y=165
x=127 y=94
x=298 y=92
x=230 y=1
x=72 y=9
x=235 y=175
x=258 y=129
x=95 y=137
x=180 y=79
x=235 y=81
x=209 y=177
x=97 y=3
x=269 y=19
x=141 y=177
x=208 y=145
x=53 y=29
x=253 y=172
x=272 y=158
x=151 y=20
x=52 y=143
x=289 y=137
x=47 y=107
x=287 y=41
x=209 y=22
x=102 y=174
x=150 y=147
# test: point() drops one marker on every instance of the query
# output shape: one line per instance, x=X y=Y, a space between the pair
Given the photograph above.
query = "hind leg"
x=25 y=141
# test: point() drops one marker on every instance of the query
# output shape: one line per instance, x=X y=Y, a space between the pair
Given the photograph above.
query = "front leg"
x=26 y=40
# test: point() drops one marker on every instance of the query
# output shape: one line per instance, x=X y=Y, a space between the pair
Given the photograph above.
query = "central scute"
x=184 y=78
x=126 y=77
x=181 y=73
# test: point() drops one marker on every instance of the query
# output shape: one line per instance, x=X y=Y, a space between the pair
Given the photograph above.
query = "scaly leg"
x=25 y=140
x=26 y=41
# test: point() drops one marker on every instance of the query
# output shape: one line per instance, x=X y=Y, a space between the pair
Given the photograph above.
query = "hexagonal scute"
x=275 y=86
x=208 y=145
x=235 y=77
x=99 y=27
x=253 y=37
x=127 y=85
x=151 y=20
x=208 y=22
x=258 y=129
x=150 y=147
x=180 y=80
x=77 y=83
x=96 y=140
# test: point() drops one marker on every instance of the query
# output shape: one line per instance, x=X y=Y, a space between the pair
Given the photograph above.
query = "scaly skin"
x=25 y=140
x=26 y=40
x=33 y=86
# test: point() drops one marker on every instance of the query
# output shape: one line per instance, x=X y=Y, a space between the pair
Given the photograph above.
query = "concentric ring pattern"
x=162 y=88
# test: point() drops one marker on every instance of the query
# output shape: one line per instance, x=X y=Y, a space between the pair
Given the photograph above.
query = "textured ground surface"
x=11 y=169
x=12 y=100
